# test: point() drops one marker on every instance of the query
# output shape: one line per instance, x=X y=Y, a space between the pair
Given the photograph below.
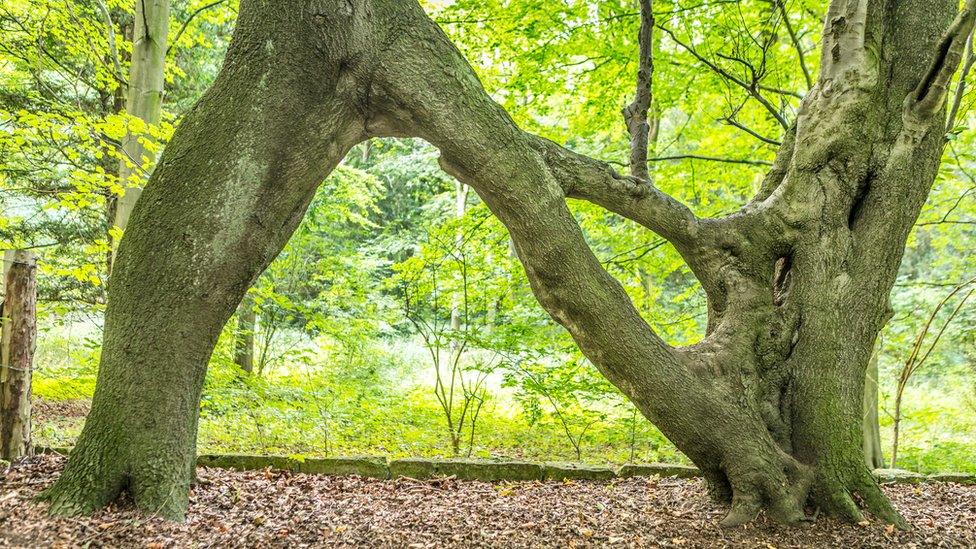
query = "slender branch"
x=795 y=39
x=780 y=91
x=735 y=123
x=635 y=114
x=196 y=12
x=752 y=89
x=711 y=159
x=112 y=48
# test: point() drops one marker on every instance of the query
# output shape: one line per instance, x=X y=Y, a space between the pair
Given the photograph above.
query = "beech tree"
x=144 y=96
x=769 y=404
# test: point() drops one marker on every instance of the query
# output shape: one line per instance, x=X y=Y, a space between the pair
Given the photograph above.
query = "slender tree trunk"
x=144 y=99
x=19 y=338
x=769 y=404
x=460 y=207
x=873 y=456
x=244 y=334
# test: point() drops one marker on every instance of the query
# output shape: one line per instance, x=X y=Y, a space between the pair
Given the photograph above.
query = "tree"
x=244 y=334
x=144 y=98
x=769 y=405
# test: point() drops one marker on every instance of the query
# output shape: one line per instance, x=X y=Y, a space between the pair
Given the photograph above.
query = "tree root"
x=83 y=488
x=95 y=476
x=847 y=499
x=782 y=496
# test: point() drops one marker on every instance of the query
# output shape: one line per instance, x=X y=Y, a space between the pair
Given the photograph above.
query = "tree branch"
x=635 y=114
x=112 y=48
x=752 y=89
x=196 y=12
x=711 y=159
x=795 y=39
x=961 y=86
x=636 y=199
x=931 y=92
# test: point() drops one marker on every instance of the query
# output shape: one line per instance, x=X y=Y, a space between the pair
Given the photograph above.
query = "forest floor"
x=273 y=509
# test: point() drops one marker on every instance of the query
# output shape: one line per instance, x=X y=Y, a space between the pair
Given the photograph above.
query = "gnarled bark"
x=769 y=404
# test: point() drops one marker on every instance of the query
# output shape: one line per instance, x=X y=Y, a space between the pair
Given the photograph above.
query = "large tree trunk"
x=233 y=184
x=769 y=404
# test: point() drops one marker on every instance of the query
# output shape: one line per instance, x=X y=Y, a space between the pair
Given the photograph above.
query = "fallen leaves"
x=274 y=509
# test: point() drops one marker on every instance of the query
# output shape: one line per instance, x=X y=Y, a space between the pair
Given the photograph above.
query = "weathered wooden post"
x=17 y=343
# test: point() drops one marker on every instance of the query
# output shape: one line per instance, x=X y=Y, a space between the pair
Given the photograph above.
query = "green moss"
x=467 y=469
x=576 y=471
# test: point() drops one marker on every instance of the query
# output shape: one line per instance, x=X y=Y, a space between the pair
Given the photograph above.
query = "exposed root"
x=878 y=504
x=77 y=492
x=95 y=476
x=745 y=509
x=847 y=499
x=782 y=496
x=842 y=505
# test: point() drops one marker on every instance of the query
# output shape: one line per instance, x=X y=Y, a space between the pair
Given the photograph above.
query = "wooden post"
x=17 y=345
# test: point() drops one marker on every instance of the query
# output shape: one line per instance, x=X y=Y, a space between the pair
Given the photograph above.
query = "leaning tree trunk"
x=769 y=405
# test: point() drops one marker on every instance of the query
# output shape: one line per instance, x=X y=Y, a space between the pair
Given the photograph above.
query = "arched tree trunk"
x=769 y=404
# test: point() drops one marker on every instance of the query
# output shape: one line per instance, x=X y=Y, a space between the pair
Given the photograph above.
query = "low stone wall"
x=490 y=470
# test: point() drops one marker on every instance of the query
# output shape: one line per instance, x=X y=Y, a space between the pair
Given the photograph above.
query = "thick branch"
x=587 y=179
x=931 y=93
x=961 y=86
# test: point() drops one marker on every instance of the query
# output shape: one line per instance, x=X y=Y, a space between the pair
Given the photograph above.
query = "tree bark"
x=19 y=338
x=232 y=185
x=144 y=99
x=244 y=334
x=769 y=404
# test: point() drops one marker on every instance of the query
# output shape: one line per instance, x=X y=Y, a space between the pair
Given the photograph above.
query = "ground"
x=270 y=509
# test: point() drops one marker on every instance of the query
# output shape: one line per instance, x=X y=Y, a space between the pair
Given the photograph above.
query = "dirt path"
x=265 y=509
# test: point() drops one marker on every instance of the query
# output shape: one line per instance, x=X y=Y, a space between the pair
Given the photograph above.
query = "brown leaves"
x=272 y=509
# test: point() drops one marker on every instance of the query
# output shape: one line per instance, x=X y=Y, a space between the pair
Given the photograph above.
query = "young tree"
x=144 y=97
x=244 y=334
x=769 y=405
